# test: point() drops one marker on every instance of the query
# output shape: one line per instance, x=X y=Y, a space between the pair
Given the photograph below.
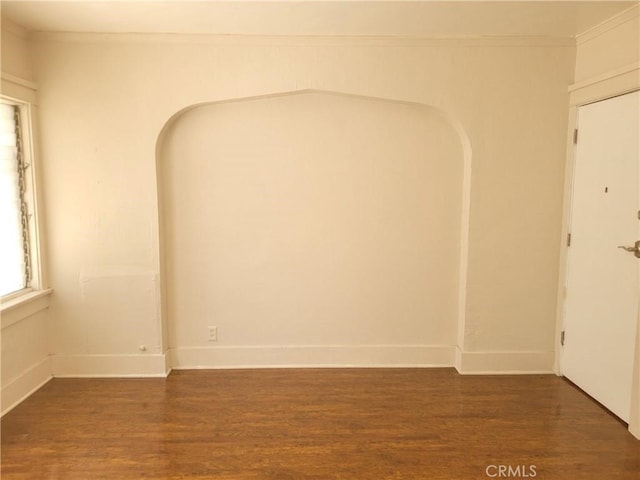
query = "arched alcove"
x=312 y=229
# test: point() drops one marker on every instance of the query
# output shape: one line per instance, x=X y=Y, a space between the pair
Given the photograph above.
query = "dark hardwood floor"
x=315 y=424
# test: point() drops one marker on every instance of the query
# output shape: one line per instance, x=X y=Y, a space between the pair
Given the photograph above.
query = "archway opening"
x=310 y=229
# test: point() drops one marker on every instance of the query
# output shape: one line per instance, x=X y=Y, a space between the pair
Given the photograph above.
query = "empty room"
x=303 y=239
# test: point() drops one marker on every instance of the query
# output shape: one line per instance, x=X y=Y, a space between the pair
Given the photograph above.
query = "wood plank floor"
x=315 y=424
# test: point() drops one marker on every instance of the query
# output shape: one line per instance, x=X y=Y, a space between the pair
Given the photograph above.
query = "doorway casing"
x=617 y=82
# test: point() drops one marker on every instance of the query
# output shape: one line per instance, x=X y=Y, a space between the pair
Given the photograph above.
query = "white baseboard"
x=24 y=385
x=159 y=365
x=488 y=363
x=310 y=356
x=153 y=365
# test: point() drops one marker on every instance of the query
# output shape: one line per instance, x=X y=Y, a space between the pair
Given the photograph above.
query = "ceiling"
x=305 y=17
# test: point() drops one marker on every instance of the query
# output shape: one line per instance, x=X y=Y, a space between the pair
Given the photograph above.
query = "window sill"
x=23 y=306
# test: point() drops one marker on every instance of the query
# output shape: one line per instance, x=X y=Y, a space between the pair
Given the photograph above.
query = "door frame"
x=617 y=82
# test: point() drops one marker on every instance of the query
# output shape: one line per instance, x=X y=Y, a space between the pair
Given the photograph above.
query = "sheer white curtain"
x=12 y=267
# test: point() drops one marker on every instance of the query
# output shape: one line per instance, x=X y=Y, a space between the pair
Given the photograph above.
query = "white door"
x=601 y=306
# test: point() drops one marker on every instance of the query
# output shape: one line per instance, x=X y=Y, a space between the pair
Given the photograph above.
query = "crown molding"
x=7 y=77
x=300 y=40
x=628 y=15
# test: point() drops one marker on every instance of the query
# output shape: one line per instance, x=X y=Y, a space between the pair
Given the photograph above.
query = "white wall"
x=105 y=99
x=24 y=358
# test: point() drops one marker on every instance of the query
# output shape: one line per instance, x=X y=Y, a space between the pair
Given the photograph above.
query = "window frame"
x=31 y=197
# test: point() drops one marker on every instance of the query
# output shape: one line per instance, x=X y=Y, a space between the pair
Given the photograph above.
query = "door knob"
x=635 y=249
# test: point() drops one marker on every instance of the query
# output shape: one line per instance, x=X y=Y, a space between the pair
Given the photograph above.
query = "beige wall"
x=14 y=51
x=25 y=355
x=312 y=219
x=105 y=99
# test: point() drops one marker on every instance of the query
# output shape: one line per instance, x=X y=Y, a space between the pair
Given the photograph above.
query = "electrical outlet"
x=213 y=334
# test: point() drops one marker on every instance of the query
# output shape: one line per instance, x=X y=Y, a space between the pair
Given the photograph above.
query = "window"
x=16 y=200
